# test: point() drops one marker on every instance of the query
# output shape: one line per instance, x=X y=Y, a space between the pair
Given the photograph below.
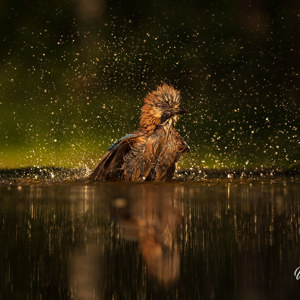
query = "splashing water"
x=73 y=82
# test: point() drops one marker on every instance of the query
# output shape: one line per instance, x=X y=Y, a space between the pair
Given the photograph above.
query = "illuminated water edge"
x=54 y=174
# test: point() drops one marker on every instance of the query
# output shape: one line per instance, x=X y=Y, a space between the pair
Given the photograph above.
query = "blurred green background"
x=74 y=73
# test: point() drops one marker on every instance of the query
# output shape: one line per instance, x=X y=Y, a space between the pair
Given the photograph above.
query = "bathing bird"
x=151 y=152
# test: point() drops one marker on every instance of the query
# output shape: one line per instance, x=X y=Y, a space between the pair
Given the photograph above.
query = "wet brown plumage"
x=151 y=152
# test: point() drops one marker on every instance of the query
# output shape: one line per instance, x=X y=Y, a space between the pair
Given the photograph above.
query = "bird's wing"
x=117 y=143
x=110 y=165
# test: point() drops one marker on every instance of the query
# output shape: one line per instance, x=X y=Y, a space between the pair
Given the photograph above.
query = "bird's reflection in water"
x=85 y=273
x=152 y=219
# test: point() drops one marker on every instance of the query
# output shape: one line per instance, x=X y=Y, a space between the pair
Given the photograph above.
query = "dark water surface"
x=209 y=240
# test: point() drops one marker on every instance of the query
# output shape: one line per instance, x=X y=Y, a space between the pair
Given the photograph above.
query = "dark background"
x=73 y=75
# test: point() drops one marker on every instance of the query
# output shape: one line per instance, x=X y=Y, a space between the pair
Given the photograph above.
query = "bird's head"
x=162 y=107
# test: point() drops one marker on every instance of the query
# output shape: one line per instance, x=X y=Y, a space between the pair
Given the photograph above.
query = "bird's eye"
x=163 y=105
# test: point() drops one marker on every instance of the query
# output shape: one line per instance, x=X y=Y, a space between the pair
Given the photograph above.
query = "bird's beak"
x=180 y=111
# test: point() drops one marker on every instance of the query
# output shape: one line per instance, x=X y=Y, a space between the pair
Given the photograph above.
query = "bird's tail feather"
x=110 y=166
